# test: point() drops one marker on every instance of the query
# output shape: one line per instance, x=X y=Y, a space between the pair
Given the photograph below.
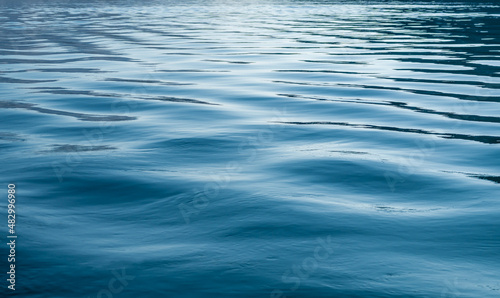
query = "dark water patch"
x=443 y=81
x=349 y=152
x=63 y=91
x=264 y=53
x=148 y=82
x=337 y=62
x=70 y=70
x=225 y=61
x=299 y=83
x=77 y=148
x=196 y=145
x=491 y=178
x=427 y=92
x=13 y=71
x=79 y=116
x=46 y=88
x=11 y=137
x=110 y=35
x=23 y=81
x=323 y=71
x=118 y=95
x=62 y=61
x=178 y=53
x=75 y=44
x=389 y=209
x=481 y=139
x=190 y=70
x=495 y=179
x=30 y=53
x=178 y=99
x=403 y=105
x=162 y=33
x=453 y=71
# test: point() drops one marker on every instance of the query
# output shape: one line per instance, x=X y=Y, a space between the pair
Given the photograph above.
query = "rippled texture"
x=252 y=149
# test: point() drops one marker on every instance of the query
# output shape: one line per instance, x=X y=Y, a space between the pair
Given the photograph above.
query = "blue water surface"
x=257 y=148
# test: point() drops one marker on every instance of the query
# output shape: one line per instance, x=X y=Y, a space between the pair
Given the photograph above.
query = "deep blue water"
x=251 y=148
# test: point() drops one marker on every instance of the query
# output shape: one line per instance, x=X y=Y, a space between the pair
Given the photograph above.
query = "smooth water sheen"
x=252 y=148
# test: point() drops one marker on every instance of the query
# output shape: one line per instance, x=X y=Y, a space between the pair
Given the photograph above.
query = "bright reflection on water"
x=252 y=149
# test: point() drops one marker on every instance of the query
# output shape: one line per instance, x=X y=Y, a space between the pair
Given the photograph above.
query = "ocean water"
x=251 y=148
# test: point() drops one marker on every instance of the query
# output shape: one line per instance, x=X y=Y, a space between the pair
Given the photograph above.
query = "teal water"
x=252 y=148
